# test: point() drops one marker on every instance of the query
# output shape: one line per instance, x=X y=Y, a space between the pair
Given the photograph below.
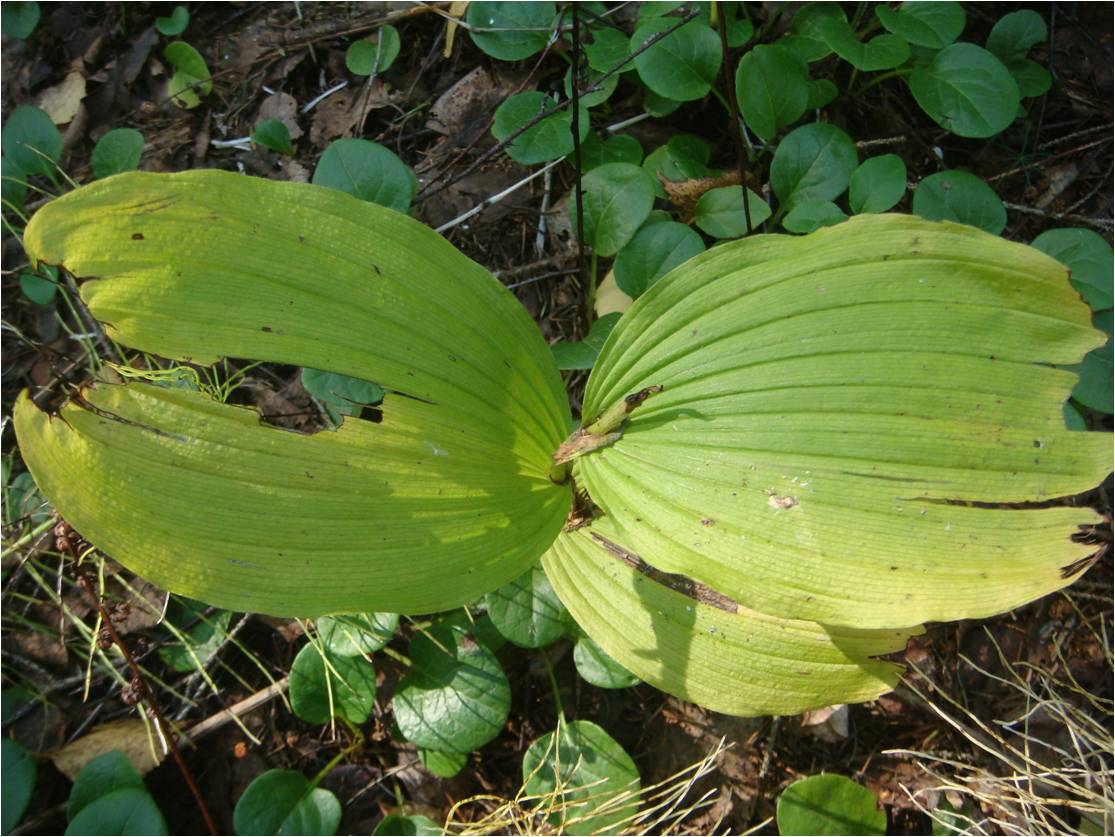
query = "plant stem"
x=733 y=115
x=590 y=287
x=26 y=539
x=357 y=743
x=589 y=284
x=901 y=71
x=553 y=686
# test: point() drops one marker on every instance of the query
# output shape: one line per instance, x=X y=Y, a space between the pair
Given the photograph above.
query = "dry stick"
x=522 y=129
x=588 y=283
x=729 y=82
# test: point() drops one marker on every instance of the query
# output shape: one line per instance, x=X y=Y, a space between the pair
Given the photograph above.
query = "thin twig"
x=484 y=204
x=578 y=193
x=729 y=82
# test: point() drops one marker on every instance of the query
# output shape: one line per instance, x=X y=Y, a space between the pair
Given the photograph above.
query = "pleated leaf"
x=841 y=415
x=445 y=498
x=706 y=649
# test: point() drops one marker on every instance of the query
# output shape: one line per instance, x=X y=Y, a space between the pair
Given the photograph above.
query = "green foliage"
x=1011 y=39
x=510 y=31
x=22 y=500
x=284 y=802
x=813 y=163
x=621 y=148
x=18 y=20
x=595 y=666
x=681 y=66
x=14 y=184
x=201 y=641
x=175 y=24
x=18 y=773
x=340 y=395
x=928 y=24
x=273 y=134
x=1094 y=389
x=367 y=171
x=882 y=52
x=829 y=804
x=414 y=825
x=527 y=611
x=962 y=197
x=445 y=765
x=772 y=88
x=39 y=286
x=812 y=215
x=582 y=354
x=877 y=184
x=191 y=79
x=584 y=768
x=551 y=138
x=654 y=251
x=326 y=686
x=617 y=199
x=117 y=151
x=719 y=212
x=966 y=90
x=30 y=141
x=103 y=775
x=125 y=811
x=596 y=97
x=1089 y=259
x=607 y=49
x=374 y=54
x=456 y=697
x=356 y=634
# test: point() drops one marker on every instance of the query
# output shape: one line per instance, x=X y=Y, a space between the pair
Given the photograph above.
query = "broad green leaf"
x=339 y=394
x=30 y=141
x=367 y=171
x=37 y=287
x=591 y=79
x=445 y=765
x=806 y=38
x=14 y=182
x=883 y=52
x=683 y=157
x=928 y=23
x=1031 y=77
x=584 y=776
x=595 y=666
x=607 y=49
x=273 y=134
x=281 y=802
x=821 y=92
x=103 y=775
x=829 y=804
x=1094 y=389
x=23 y=502
x=456 y=697
x=877 y=184
x=962 y=197
x=549 y=139
x=1088 y=257
x=527 y=611
x=966 y=90
x=324 y=687
x=840 y=415
x=478 y=626
x=125 y=811
x=772 y=88
x=1014 y=34
x=413 y=825
x=374 y=54
x=812 y=215
x=1073 y=418
x=581 y=354
x=813 y=163
x=654 y=251
x=617 y=199
x=175 y=24
x=621 y=148
x=117 y=151
x=202 y=640
x=17 y=781
x=18 y=20
x=356 y=634
x=510 y=31
x=447 y=497
x=658 y=106
x=719 y=212
x=698 y=646
x=191 y=79
x=682 y=65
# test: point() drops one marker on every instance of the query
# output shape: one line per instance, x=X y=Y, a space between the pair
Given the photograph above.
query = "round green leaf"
x=580 y=771
x=1094 y=389
x=549 y=139
x=19 y=19
x=929 y=24
x=415 y=825
x=595 y=666
x=478 y=626
x=821 y=92
x=653 y=252
x=961 y=197
x=37 y=288
x=324 y=687
x=597 y=97
x=812 y=163
x=1014 y=34
x=117 y=151
x=125 y=811
x=812 y=215
x=806 y=38
x=273 y=134
x=340 y=394
x=445 y=765
x=100 y=777
x=374 y=54
x=1073 y=419
x=683 y=157
x=719 y=212
x=607 y=49
x=621 y=148
x=14 y=184
x=18 y=772
x=882 y=52
x=357 y=634
x=582 y=354
x=877 y=184
x=30 y=141
x=772 y=88
x=1089 y=258
x=683 y=65
x=617 y=199
x=281 y=802
x=191 y=79
x=368 y=171
x=966 y=90
x=175 y=24
x=527 y=611
x=510 y=31
x=1031 y=77
x=658 y=106
x=829 y=804
x=456 y=697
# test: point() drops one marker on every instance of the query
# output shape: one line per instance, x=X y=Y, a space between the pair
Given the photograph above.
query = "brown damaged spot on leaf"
x=778 y=502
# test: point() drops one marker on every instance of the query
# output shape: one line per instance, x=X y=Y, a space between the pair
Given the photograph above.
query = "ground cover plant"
x=803 y=435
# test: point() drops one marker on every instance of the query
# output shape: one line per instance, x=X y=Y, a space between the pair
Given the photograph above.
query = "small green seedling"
x=273 y=134
x=961 y=197
x=191 y=79
x=117 y=151
x=375 y=54
x=175 y=24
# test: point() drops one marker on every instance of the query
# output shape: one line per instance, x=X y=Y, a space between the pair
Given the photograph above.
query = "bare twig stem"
x=729 y=82
x=577 y=191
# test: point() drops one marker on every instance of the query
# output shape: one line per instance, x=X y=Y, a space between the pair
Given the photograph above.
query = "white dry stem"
x=494 y=199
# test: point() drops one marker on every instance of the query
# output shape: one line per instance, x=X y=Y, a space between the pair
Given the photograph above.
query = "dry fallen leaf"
x=128 y=735
x=281 y=106
x=684 y=194
x=609 y=298
x=62 y=101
